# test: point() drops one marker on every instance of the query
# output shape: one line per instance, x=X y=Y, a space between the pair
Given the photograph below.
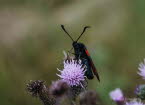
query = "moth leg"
x=71 y=52
x=79 y=56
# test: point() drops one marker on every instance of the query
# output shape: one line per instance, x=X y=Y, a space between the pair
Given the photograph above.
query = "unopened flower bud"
x=140 y=92
x=59 y=88
x=89 y=98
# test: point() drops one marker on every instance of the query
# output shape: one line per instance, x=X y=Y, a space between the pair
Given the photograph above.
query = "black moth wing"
x=92 y=64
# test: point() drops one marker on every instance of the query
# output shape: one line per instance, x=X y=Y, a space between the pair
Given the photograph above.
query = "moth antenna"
x=62 y=26
x=83 y=32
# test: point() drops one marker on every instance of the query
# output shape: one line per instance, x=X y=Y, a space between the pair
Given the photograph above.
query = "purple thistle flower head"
x=134 y=102
x=73 y=72
x=142 y=69
x=117 y=95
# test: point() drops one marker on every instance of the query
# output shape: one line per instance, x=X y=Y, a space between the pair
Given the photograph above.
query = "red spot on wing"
x=87 y=52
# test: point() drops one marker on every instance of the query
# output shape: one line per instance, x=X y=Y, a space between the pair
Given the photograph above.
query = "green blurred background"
x=31 y=43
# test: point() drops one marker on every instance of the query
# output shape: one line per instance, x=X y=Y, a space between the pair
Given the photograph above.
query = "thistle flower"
x=140 y=92
x=142 y=69
x=58 y=88
x=34 y=87
x=134 y=102
x=73 y=73
x=38 y=89
x=117 y=96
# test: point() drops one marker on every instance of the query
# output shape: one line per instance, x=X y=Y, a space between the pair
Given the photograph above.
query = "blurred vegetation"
x=31 y=43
